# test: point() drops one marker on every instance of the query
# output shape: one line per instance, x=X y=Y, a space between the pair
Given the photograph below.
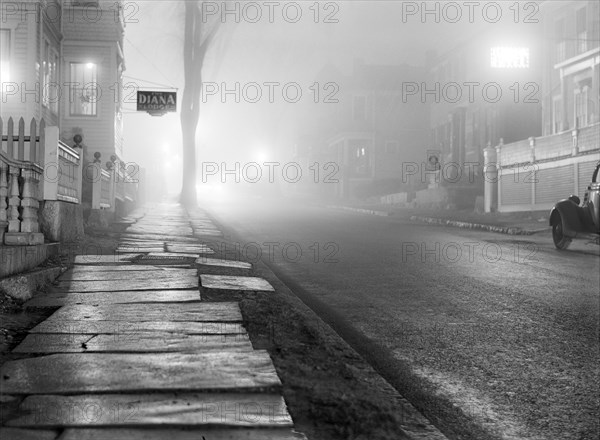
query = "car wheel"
x=560 y=240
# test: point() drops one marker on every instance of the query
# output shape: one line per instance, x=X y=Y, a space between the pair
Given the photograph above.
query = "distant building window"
x=362 y=161
x=360 y=108
x=581 y=107
x=581 y=30
x=84 y=87
x=556 y=115
x=4 y=55
x=359 y=161
x=559 y=37
x=50 y=86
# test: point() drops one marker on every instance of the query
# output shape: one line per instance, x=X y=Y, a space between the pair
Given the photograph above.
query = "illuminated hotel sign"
x=510 y=57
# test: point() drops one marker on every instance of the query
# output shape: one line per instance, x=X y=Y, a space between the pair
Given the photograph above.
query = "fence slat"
x=9 y=141
x=21 y=140
x=32 y=141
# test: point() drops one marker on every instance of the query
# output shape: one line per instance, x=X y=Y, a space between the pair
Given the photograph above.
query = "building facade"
x=536 y=172
x=485 y=89
x=571 y=60
x=364 y=137
x=62 y=60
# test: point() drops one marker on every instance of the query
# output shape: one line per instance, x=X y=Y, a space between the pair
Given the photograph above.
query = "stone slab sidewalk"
x=135 y=350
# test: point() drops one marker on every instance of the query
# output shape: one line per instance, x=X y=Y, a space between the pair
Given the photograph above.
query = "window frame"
x=581 y=111
x=96 y=108
x=50 y=77
x=557 y=116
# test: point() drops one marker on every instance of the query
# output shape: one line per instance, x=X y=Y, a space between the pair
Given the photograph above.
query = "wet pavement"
x=136 y=350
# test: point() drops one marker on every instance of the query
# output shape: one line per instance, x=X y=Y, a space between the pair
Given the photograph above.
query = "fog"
x=262 y=52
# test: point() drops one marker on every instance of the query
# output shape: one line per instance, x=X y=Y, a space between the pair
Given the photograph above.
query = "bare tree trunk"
x=194 y=51
x=189 y=118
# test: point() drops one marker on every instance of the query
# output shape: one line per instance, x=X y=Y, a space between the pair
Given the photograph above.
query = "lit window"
x=4 y=55
x=510 y=57
x=50 y=88
x=84 y=88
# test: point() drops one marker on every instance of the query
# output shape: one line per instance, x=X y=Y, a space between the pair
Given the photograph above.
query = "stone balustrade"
x=19 y=193
x=20 y=177
x=115 y=183
x=41 y=183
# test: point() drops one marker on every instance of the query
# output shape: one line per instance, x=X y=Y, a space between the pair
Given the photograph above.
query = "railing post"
x=79 y=172
x=532 y=148
x=499 y=176
x=112 y=188
x=575 y=142
x=490 y=176
x=29 y=201
x=51 y=164
x=14 y=201
x=96 y=184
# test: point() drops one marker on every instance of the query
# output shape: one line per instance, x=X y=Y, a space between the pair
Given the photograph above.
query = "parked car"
x=570 y=220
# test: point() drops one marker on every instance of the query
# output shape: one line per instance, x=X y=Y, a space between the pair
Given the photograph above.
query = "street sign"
x=156 y=102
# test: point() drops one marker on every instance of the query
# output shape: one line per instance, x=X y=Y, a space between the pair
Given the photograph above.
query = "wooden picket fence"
x=37 y=167
x=33 y=167
x=21 y=147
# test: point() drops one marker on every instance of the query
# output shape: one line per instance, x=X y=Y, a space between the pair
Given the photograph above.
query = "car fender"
x=568 y=211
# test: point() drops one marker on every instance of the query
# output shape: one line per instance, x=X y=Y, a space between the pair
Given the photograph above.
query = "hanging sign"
x=151 y=101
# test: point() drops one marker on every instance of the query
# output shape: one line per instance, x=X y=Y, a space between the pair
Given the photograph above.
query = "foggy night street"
x=299 y=220
x=508 y=333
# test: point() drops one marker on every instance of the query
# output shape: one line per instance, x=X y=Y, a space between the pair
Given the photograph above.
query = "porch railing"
x=34 y=168
x=20 y=176
x=39 y=167
x=116 y=182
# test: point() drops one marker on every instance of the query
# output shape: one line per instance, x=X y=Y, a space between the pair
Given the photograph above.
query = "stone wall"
x=61 y=221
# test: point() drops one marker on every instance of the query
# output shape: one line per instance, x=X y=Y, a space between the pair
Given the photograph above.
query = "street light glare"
x=262 y=156
x=510 y=57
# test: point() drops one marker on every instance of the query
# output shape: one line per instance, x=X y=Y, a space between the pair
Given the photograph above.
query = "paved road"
x=503 y=327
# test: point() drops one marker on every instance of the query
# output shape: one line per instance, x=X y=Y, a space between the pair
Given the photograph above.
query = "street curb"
x=362 y=210
x=508 y=230
x=22 y=286
x=424 y=428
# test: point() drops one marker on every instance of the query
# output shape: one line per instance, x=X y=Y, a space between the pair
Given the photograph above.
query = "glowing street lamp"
x=510 y=57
